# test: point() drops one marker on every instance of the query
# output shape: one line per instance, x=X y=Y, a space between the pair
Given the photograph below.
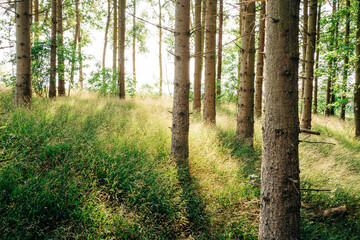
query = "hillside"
x=90 y=167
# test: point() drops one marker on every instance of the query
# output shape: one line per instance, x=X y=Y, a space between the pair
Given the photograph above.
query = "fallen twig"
x=309 y=132
x=317 y=142
x=316 y=190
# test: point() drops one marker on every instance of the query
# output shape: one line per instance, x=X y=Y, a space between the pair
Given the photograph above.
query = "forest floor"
x=90 y=167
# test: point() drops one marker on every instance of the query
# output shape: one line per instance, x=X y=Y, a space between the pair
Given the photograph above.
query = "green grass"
x=87 y=167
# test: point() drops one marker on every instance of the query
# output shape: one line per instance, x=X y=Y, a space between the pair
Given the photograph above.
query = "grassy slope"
x=98 y=168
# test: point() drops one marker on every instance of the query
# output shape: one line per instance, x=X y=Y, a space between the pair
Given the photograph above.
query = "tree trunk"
x=61 y=57
x=245 y=118
x=81 y=79
x=106 y=34
x=160 y=52
x=134 y=45
x=260 y=62
x=198 y=57
x=180 y=124
x=346 y=62
x=210 y=63
x=52 y=86
x=74 y=47
x=121 y=81
x=357 y=77
x=23 y=90
x=317 y=59
x=239 y=52
x=219 y=62
x=115 y=41
x=280 y=184
x=304 y=46
x=309 y=74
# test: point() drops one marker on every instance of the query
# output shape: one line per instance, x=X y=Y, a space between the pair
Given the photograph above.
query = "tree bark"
x=209 y=115
x=115 y=35
x=23 y=90
x=81 y=79
x=106 y=34
x=260 y=62
x=357 y=77
x=245 y=118
x=304 y=45
x=180 y=124
x=280 y=184
x=52 y=85
x=198 y=57
x=134 y=45
x=317 y=59
x=219 y=56
x=61 y=57
x=160 y=51
x=309 y=74
x=121 y=81
x=346 y=62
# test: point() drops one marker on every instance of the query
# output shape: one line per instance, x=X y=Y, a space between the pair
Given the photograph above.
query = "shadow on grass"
x=198 y=222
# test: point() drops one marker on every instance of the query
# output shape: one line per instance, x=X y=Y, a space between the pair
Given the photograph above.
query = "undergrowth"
x=89 y=167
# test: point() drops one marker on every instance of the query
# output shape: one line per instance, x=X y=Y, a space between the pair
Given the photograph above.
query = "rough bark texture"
x=180 y=124
x=260 y=62
x=115 y=35
x=317 y=59
x=210 y=63
x=304 y=45
x=52 y=85
x=219 y=56
x=280 y=194
x=198 y=58
x=121 y=81
x=346 y=62
x=245 y=118
x=61 y=57
x=134 y=45
x=357 y=77
x=23 y=90
x=160 y=52
x=309 y=74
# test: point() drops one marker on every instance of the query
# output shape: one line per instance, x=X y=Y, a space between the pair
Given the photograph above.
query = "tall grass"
x=88 y=167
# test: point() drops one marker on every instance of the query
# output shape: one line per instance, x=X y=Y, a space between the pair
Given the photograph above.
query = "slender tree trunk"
x=61 y=56
x=280 y=183
x=357 y=77
x=304 y=46
x=105 y=37
x=219 y=62
x=52 y=86
x=121 y=80
x=74 y=46
x=23 y=90
x=309 y=74
x=260 y=62
x=210 y=63
x=317 y=59
x=180 y=124
x=115 y=41
x=346 y=62
x=198 y=57
x=245 y=118
x=81 y=79
x=160 y=52
x=239 y=52
x=134 y=45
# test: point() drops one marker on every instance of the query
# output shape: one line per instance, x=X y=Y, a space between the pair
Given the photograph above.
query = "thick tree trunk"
x=245 y=118
x=52 y=84
x=309 y=74
x=280 y=183
x=198 y=57
x=304 y=45
x=121 y=81
x=180 y=124
x=346 y=62
x=260 y=62
x=115 y=35
x=61 y=56
x=219 y=62
x=160 y=51
x=317 y=59
x=210 y=63
x=357 y=77
x=134 y=45
x=23 y=90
